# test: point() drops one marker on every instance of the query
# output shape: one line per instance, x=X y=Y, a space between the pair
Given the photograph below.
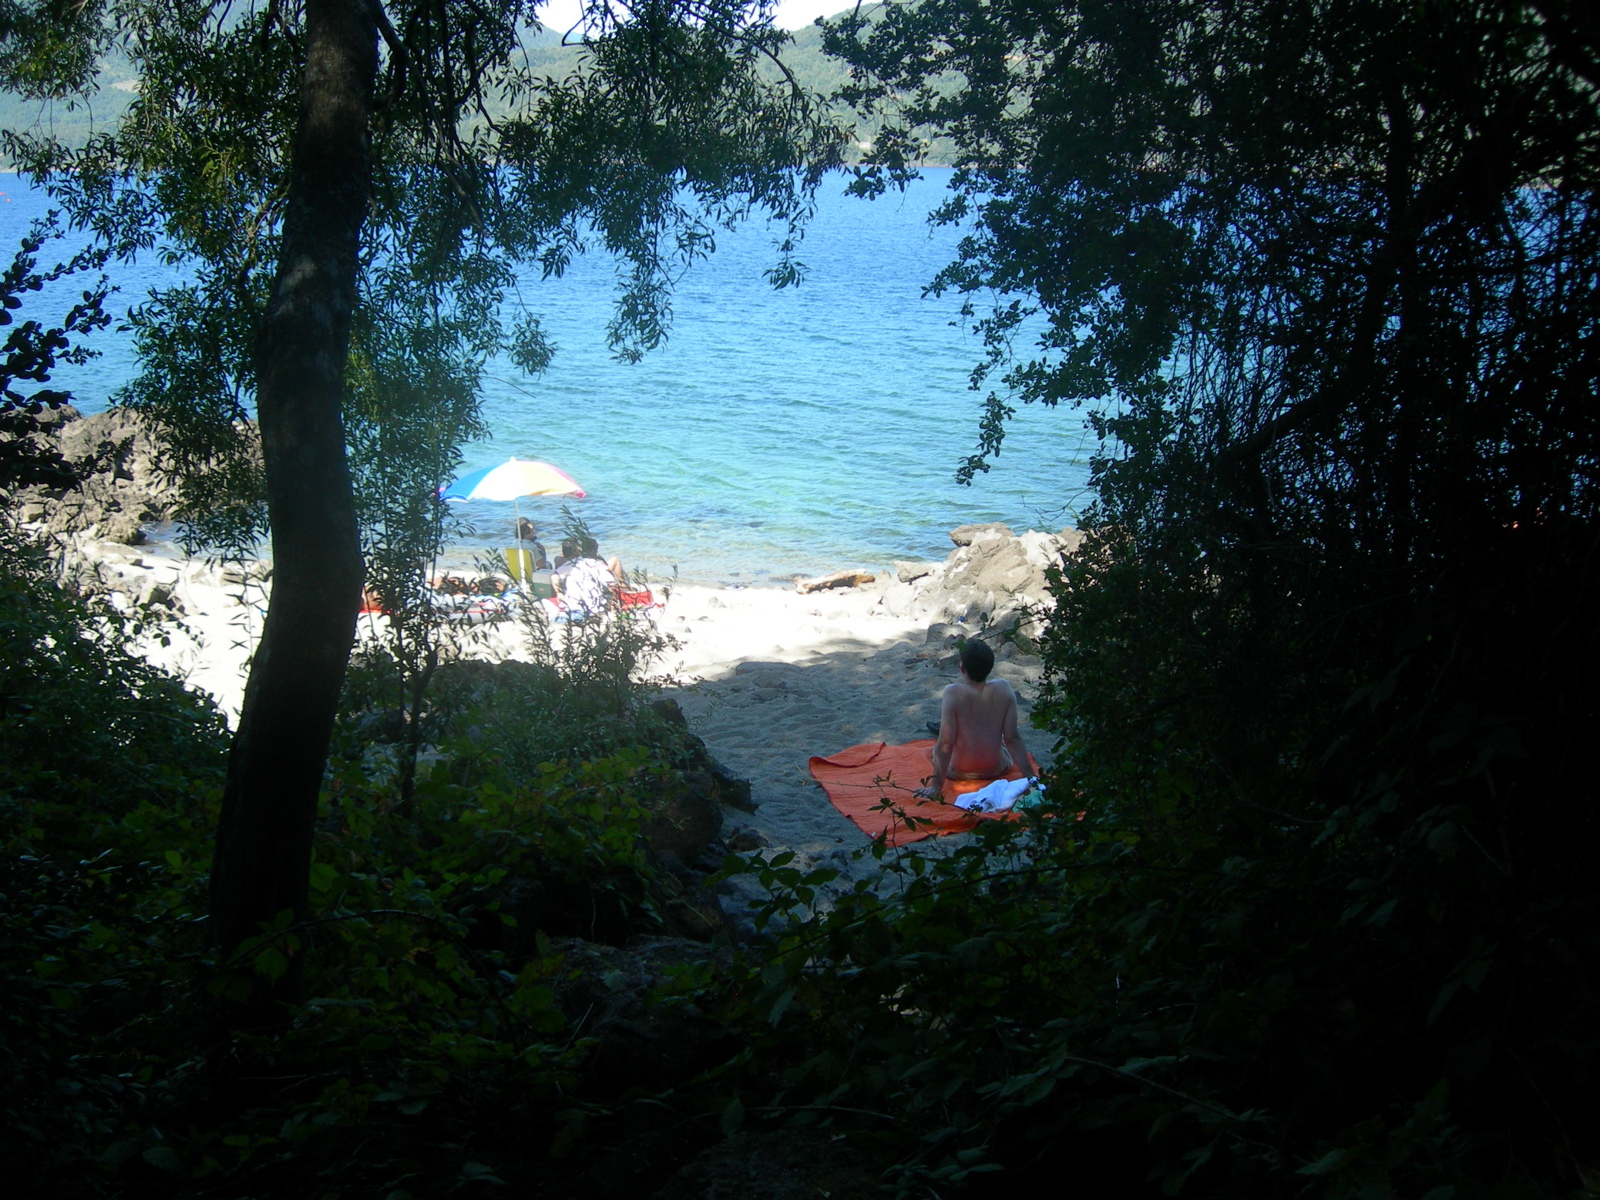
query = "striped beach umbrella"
x=513 y=480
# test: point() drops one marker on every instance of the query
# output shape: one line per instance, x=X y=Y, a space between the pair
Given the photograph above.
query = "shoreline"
x=208 y=615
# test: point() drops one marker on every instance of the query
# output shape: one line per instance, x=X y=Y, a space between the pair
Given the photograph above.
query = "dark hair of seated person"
x=977 y=660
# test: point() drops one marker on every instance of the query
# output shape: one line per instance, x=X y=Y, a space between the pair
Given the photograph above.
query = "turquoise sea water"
x=775 y=434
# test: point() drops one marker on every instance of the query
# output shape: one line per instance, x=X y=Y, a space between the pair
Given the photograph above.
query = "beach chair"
x=536 y=583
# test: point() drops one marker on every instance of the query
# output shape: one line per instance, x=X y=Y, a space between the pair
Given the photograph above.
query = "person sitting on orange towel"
x=978 y=737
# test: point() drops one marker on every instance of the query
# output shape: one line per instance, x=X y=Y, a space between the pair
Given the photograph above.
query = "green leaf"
x=272 y=963
x=163 y=1158
x=780 y=1006
x=1332 y=1161
x=323 y=877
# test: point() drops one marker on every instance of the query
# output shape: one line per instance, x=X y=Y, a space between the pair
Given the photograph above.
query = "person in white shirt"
x=583 y=581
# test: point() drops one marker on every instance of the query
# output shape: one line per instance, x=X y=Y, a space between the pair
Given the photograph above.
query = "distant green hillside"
x=74 y=123
x=816 y=72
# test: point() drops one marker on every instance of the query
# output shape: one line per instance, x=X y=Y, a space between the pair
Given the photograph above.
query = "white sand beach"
x=766 y=676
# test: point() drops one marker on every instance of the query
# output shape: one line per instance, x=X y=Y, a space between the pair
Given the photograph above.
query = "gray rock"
x=123 y=487
x=121 y=526
x=910 y=572
x=989 y=575
x=53 y=417
x=728 y=787
x=743 y=841
x=965 y=535
x=154 y=593
x=901 y=599
x=235 y=574
x=684 y=824
x=751 y=667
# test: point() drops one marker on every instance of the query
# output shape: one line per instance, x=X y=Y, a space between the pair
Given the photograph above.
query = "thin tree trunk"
x=263 y=856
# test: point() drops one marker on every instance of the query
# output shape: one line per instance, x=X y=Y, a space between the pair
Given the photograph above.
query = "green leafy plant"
x=31 y=353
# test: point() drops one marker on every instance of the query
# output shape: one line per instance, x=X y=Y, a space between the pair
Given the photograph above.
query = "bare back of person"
x=978 y=735
x=976 y=719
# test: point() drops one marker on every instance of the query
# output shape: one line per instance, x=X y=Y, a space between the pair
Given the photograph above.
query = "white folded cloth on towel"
x=998 y=796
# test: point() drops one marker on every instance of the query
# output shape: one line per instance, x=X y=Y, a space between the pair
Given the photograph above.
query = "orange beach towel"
x=859 y=779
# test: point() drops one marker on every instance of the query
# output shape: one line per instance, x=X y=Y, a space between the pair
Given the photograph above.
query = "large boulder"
x=726 y=787
x=992 y=578
x=683 y=822
x=985 y=577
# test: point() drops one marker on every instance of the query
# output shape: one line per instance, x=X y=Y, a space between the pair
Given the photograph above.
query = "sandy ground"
x=773 y=677
x=767 y=676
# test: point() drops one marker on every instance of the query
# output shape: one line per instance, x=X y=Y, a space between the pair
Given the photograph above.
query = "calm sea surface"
x=775 y=434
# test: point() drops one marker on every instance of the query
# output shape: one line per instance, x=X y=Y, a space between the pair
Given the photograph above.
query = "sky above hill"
x=792 y=14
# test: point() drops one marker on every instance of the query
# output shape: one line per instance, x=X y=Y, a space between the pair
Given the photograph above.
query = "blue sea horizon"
x=775 y=434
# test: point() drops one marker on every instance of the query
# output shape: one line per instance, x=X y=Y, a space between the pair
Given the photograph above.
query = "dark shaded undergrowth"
x=1171 y=984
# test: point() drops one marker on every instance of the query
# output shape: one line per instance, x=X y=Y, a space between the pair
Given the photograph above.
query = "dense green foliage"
x=1324 y=277
x=81 y=715
x=104 y=763
x=431 y=1038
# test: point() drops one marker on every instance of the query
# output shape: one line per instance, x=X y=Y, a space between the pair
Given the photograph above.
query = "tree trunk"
x=263 y=856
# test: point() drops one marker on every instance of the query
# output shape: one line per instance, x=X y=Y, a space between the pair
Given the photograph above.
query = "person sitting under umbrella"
x=528 y=539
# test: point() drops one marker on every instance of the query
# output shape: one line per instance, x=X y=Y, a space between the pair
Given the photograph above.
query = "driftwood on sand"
x=839 y=579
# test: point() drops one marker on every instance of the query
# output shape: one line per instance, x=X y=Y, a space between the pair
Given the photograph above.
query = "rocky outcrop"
x=684 y=822
x=725 y=786
x=97 y=527
x=123 y=490
x=992 y=579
